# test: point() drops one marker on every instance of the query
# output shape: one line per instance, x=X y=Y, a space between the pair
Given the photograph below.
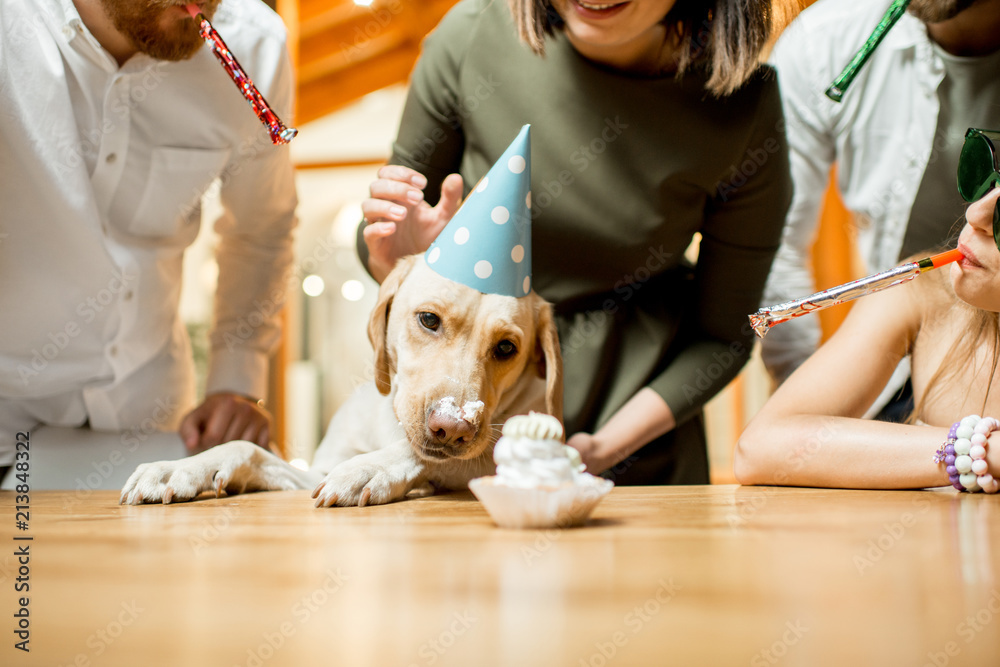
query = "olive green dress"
x=625 y=171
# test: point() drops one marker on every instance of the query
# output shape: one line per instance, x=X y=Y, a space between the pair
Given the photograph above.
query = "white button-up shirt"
x=881 y=136
x=102 y=169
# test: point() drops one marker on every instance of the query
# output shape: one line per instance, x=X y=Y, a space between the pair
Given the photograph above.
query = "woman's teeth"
x=588 y=5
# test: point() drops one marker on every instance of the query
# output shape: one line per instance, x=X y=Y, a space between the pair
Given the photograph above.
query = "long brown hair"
x=726 y=36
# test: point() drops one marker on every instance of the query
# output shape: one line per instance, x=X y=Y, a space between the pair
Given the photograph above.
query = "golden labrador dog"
x=451 y=365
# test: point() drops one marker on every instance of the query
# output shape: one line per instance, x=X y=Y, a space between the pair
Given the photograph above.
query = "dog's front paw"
x=359 y=483
x=222 y=468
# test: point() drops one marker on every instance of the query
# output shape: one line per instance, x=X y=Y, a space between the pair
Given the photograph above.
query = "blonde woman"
x=810 y=432
x=651 y=122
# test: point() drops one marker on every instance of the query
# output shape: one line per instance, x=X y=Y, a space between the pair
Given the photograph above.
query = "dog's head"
x=460 y=359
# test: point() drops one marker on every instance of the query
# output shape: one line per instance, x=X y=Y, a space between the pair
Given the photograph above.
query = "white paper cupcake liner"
x=558 y=507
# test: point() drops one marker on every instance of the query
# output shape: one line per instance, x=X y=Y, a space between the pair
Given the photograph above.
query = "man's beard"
x=936 y=11
x=140 y=22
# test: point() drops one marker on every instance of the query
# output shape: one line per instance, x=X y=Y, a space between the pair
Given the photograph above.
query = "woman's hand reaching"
x=400 y=222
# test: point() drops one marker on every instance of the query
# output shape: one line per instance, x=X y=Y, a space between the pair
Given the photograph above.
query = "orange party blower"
x=765 y=318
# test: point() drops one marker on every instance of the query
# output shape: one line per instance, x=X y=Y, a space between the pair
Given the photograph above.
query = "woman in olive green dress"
x=651 y=123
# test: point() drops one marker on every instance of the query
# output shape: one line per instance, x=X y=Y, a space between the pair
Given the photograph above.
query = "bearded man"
x=895 y=138
x=114 y=120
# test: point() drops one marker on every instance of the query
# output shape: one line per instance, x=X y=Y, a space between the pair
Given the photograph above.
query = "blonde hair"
x=726 y=36
x=980 y=327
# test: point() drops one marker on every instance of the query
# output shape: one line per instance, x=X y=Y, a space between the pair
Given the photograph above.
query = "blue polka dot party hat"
x=487 y=244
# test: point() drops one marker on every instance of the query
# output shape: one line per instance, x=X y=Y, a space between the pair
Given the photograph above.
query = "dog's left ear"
x=548 y=358
x=379 y=322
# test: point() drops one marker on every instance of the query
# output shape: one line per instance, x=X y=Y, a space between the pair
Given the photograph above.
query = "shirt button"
x=113 y=350
x=127 y=296
x=67 y=32
x=110 y=158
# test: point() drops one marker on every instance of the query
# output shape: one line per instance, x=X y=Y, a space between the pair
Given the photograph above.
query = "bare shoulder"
x=934 y=303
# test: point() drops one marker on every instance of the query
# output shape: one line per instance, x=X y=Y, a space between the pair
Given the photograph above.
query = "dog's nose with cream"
x=453 y=426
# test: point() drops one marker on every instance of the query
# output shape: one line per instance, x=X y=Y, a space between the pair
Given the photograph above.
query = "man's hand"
x=224 y=417
x=400 y=222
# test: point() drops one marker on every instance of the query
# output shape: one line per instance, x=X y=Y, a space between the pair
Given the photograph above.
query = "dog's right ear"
x=379 y=322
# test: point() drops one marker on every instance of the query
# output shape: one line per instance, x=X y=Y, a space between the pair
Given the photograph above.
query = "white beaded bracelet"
x=964 y=453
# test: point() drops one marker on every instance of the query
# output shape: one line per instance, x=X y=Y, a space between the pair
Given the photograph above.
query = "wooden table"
x=714 y=575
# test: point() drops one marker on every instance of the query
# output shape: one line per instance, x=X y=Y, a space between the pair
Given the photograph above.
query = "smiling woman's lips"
x=598 y=10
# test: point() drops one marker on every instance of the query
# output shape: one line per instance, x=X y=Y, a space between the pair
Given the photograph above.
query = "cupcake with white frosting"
x=540 y=482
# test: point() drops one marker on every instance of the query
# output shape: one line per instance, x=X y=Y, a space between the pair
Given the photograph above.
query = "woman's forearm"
x=642 y=419
x=839 y=452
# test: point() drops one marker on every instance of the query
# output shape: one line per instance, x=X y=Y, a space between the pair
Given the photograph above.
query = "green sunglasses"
x=979 y=169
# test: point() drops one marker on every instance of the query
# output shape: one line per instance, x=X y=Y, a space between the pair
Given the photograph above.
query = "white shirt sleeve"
x=812 y=154
x=254 y=253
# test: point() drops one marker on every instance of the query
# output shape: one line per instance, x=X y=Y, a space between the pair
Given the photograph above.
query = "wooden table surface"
x=713 y=575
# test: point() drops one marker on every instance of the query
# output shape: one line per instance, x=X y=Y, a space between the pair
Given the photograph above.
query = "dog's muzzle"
x=449 y=430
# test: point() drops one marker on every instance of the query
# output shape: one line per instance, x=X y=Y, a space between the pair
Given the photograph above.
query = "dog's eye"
x=429 y=321
x=504 y=350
